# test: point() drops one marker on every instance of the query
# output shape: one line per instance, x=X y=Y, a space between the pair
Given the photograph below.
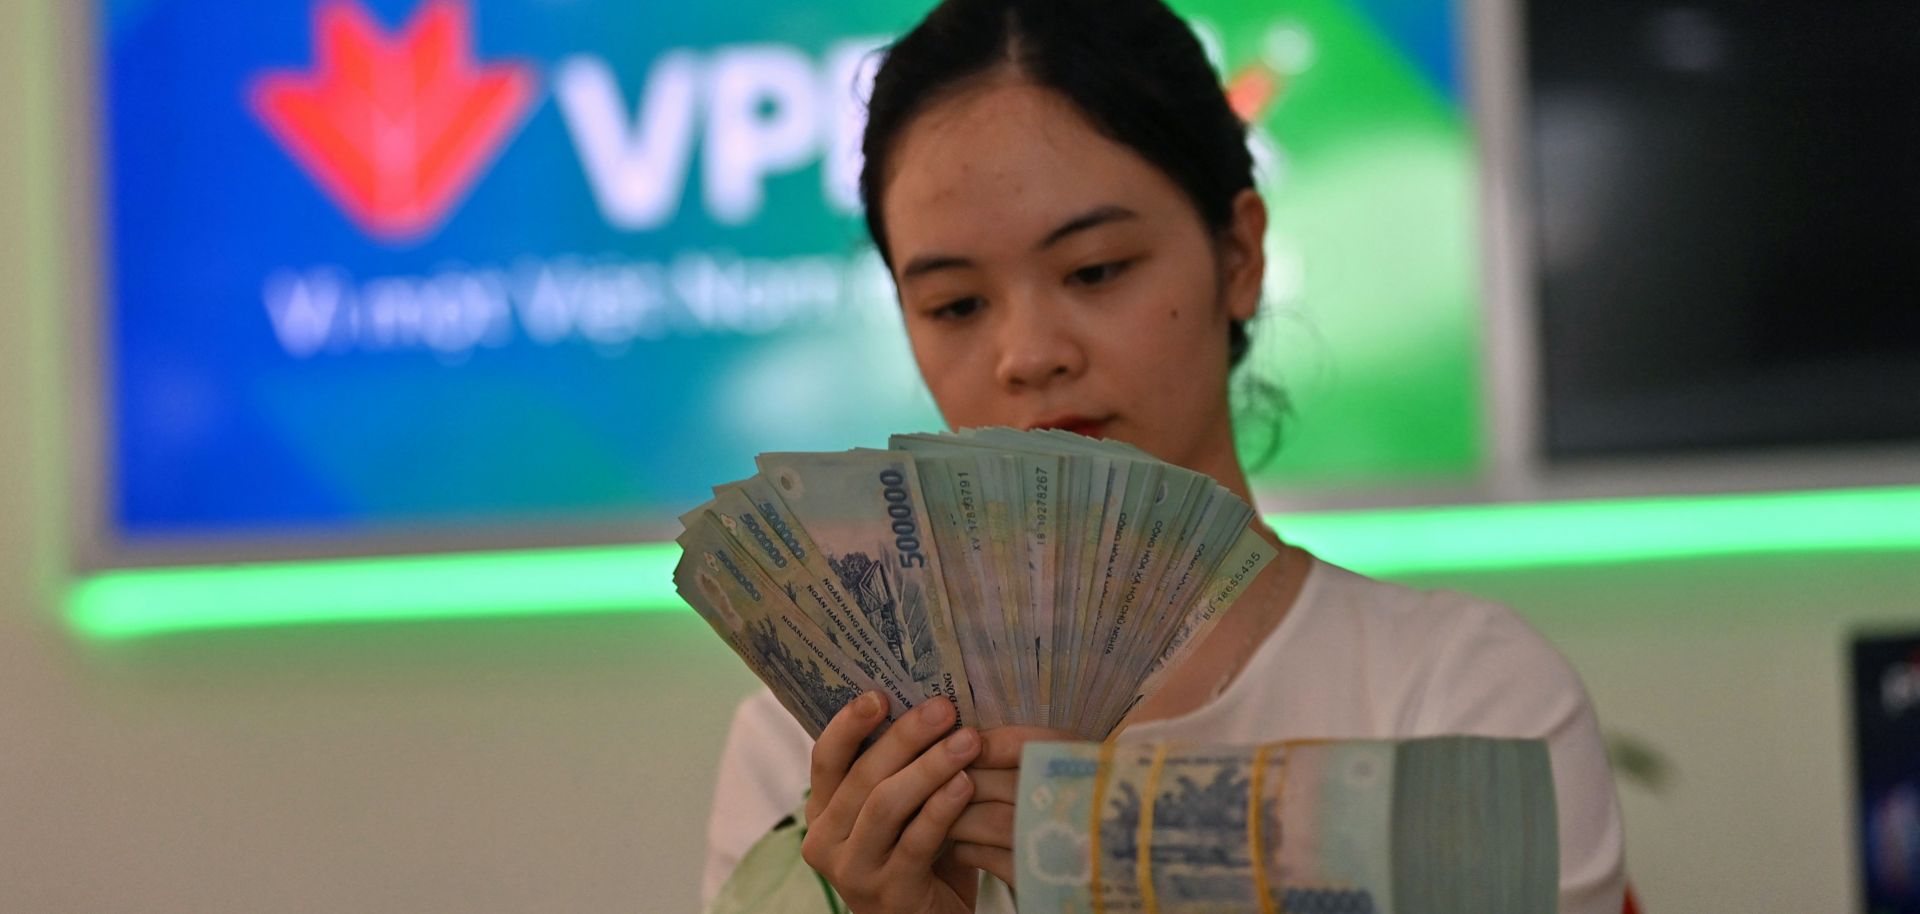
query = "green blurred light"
x=1546 y=534
x=1387 y=543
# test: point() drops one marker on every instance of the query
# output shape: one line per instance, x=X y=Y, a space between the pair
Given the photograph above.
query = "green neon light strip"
x=133 y=603
x=130 y=603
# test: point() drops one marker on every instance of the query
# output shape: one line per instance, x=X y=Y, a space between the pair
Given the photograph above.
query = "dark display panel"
x=1727 y=223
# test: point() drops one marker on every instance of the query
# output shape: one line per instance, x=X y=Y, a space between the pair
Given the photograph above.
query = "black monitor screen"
x=1727 y=223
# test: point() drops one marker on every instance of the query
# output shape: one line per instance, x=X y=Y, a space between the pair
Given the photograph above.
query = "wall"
x=566 y=765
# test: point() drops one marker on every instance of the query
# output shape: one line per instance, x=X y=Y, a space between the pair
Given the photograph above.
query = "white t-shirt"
x=1354 y=658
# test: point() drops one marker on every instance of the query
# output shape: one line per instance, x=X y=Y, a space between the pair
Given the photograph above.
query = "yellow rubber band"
x=1143 y=841
x=1101 y=773
x=1256 y=837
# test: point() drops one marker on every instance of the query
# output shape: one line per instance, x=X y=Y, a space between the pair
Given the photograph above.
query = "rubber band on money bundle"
x=1143 y=842
x=1256 y=833
x=1101 y=772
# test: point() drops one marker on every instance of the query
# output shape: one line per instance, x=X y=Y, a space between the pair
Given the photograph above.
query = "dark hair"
x=1132 y=67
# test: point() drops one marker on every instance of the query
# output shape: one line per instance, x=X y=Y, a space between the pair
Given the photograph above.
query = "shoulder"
x=759 y=721
x=764 y=764
x=761 y=779
x=1397 y=611
x=1451 y=662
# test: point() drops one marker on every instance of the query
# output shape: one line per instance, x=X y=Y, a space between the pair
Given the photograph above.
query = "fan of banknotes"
x=1034 y=577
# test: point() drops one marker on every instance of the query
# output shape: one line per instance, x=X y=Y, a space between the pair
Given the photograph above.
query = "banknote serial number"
x=906 y=533
x=1072 y=768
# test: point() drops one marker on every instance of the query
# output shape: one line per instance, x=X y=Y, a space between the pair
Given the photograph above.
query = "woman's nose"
x=1038 y=346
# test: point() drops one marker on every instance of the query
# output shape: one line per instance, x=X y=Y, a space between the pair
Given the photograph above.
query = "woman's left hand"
x=983 y=835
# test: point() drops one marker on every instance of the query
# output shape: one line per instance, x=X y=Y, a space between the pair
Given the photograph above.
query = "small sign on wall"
x=1886 y=713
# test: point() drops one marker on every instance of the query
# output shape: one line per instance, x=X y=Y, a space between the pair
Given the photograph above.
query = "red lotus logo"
x=395 y=128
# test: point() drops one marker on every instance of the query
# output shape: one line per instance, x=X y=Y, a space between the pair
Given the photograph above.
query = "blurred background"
x=357 y=355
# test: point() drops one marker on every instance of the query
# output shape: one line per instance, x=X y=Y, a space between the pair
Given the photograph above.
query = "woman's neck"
x=1217 y=457
x=1220 y=657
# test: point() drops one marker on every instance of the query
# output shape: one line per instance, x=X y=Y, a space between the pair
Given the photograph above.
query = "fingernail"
x=963 y=743
x=872 y=705
x=935 y=711
x=959 y=785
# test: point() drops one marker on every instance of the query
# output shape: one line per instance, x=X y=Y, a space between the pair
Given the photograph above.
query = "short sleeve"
x=1497 y=677
x=762 y=778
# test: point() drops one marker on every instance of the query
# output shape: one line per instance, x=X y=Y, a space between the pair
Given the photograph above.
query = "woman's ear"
x=1244 y=255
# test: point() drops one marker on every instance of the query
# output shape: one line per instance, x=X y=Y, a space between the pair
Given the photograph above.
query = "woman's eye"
x=956 y=310
x=1099 y=273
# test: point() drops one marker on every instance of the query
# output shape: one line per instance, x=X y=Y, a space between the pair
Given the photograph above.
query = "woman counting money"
x=1066 y=203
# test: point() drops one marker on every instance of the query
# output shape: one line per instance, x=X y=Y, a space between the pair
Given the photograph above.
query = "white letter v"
x=639 y=176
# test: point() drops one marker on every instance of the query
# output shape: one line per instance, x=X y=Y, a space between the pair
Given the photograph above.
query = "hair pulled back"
x=1132 y=68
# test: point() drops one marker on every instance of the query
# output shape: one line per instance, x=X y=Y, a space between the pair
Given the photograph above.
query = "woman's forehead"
x=1006 y=160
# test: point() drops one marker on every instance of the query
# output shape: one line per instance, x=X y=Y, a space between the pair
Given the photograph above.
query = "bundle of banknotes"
x=1449 y=825
x=1031 y=577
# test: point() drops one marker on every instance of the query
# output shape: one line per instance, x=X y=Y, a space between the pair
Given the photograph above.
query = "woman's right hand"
x=877 y=821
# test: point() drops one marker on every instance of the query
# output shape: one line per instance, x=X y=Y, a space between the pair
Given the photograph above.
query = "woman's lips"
x=1079 y=425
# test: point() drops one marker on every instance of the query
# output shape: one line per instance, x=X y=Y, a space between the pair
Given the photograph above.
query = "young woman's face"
x=1051 y=277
